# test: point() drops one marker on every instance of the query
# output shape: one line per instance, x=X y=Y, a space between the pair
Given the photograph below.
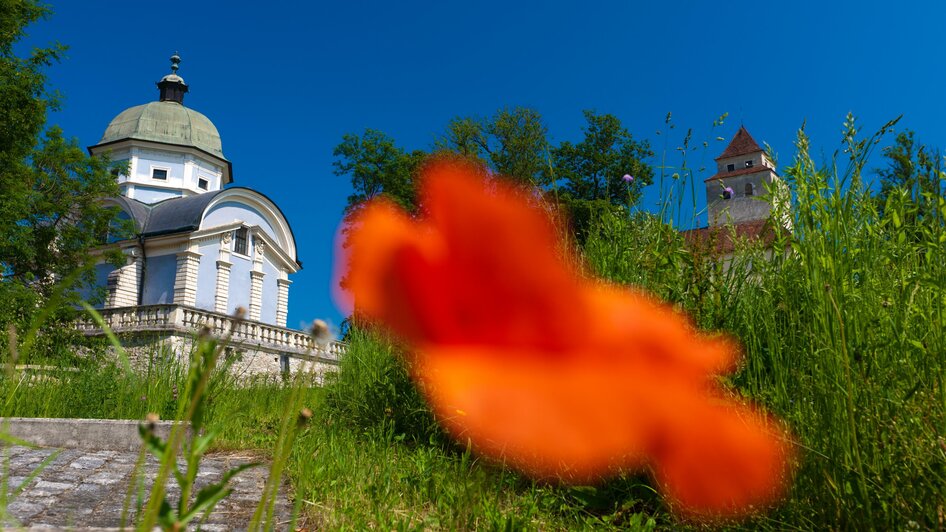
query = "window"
x=202 y=183
x=749 y=164
x=748 y=189
x=159 y=173
x=239 y=241
x=730 y=168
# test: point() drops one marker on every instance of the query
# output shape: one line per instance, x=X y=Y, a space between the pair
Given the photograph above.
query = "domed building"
x=202 y=249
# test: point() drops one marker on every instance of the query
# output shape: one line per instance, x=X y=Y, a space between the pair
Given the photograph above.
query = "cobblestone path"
x=87 y=489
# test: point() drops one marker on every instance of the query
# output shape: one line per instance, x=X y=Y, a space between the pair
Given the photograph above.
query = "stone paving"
x=82 y=489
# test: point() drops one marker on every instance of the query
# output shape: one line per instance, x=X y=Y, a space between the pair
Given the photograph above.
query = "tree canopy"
x=51 y=192
x=594 y=168
x=377 y=166
x=513 y=143
x=584 y=178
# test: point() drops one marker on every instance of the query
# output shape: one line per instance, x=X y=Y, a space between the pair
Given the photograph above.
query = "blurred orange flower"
x=561 y=376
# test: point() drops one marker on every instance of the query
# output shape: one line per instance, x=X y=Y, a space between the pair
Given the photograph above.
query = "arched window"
x=748 y=189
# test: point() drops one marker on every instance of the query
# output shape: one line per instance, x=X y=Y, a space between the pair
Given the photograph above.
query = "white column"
x=221 y=296
x=282 y=299
x=256 y=279
x=185 y=282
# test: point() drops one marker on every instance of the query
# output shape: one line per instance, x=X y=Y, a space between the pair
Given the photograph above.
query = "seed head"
x=320 y=332
x=150 y=421
x=304 y=416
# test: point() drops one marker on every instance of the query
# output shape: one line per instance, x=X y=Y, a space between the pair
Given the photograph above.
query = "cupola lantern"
x=172 y=86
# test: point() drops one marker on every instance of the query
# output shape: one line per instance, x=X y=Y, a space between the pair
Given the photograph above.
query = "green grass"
x=843 y=337
x=375 y=457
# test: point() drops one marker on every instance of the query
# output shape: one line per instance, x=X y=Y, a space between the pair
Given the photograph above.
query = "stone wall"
x=149 y=349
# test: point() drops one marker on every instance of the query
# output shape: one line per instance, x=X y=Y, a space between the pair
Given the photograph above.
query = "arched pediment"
x=253 y=208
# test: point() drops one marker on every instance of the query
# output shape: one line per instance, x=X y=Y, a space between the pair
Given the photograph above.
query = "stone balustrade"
x=240 y=334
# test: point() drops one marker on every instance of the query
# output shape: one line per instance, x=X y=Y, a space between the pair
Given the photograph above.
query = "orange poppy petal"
x=556 y=374
x=505 y=282
x=722 y=459
x=623 y=320
x=541 y=417
x=386 y=250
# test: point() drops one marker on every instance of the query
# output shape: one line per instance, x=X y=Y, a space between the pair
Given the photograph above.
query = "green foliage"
x=593 y=168
x=913 y=177
x=373 y=391
x=24 y=99
x=585 y=179
x=842 y=335
x=61 y=214
x=375 y=458
x=377 y=167
x=51 y=192
x=512 y=144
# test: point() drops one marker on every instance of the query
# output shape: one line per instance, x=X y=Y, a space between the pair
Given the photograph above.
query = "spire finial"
x=172 y=86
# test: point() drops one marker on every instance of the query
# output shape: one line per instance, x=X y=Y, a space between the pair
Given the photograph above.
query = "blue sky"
x=284 y=81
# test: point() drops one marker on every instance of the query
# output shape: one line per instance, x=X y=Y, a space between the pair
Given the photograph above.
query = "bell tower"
x=744 y=178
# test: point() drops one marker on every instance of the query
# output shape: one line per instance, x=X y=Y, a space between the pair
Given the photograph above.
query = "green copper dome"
x=168 y=122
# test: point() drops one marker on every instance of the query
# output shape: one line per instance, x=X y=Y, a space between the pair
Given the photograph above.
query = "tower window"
x=159 y=173
x=202 y=183
x=749 y=163
x=730 y=168
x=748 y=189
x=239 y=241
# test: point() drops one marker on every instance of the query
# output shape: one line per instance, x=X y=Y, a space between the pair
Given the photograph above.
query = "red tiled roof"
x=741 y=144
x=741 y=171
x=722 y=239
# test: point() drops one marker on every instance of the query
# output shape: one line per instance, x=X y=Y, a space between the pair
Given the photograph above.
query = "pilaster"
x=123 y=282
x=185 y=282
x=256 y=279
x=282 y=299
x=223 y=274
x=256 y=294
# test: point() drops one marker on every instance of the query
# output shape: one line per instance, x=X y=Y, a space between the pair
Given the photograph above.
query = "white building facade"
x=197 y=243
x=200 y=245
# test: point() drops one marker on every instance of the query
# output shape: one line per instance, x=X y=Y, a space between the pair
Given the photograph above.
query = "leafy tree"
x=914 y=170
x=585 y=178
x=377 y=166
x=62 y=216
x=466 y=137
x=512 y=143
x=591 y=172
x=594 y=169
x=51 y=192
